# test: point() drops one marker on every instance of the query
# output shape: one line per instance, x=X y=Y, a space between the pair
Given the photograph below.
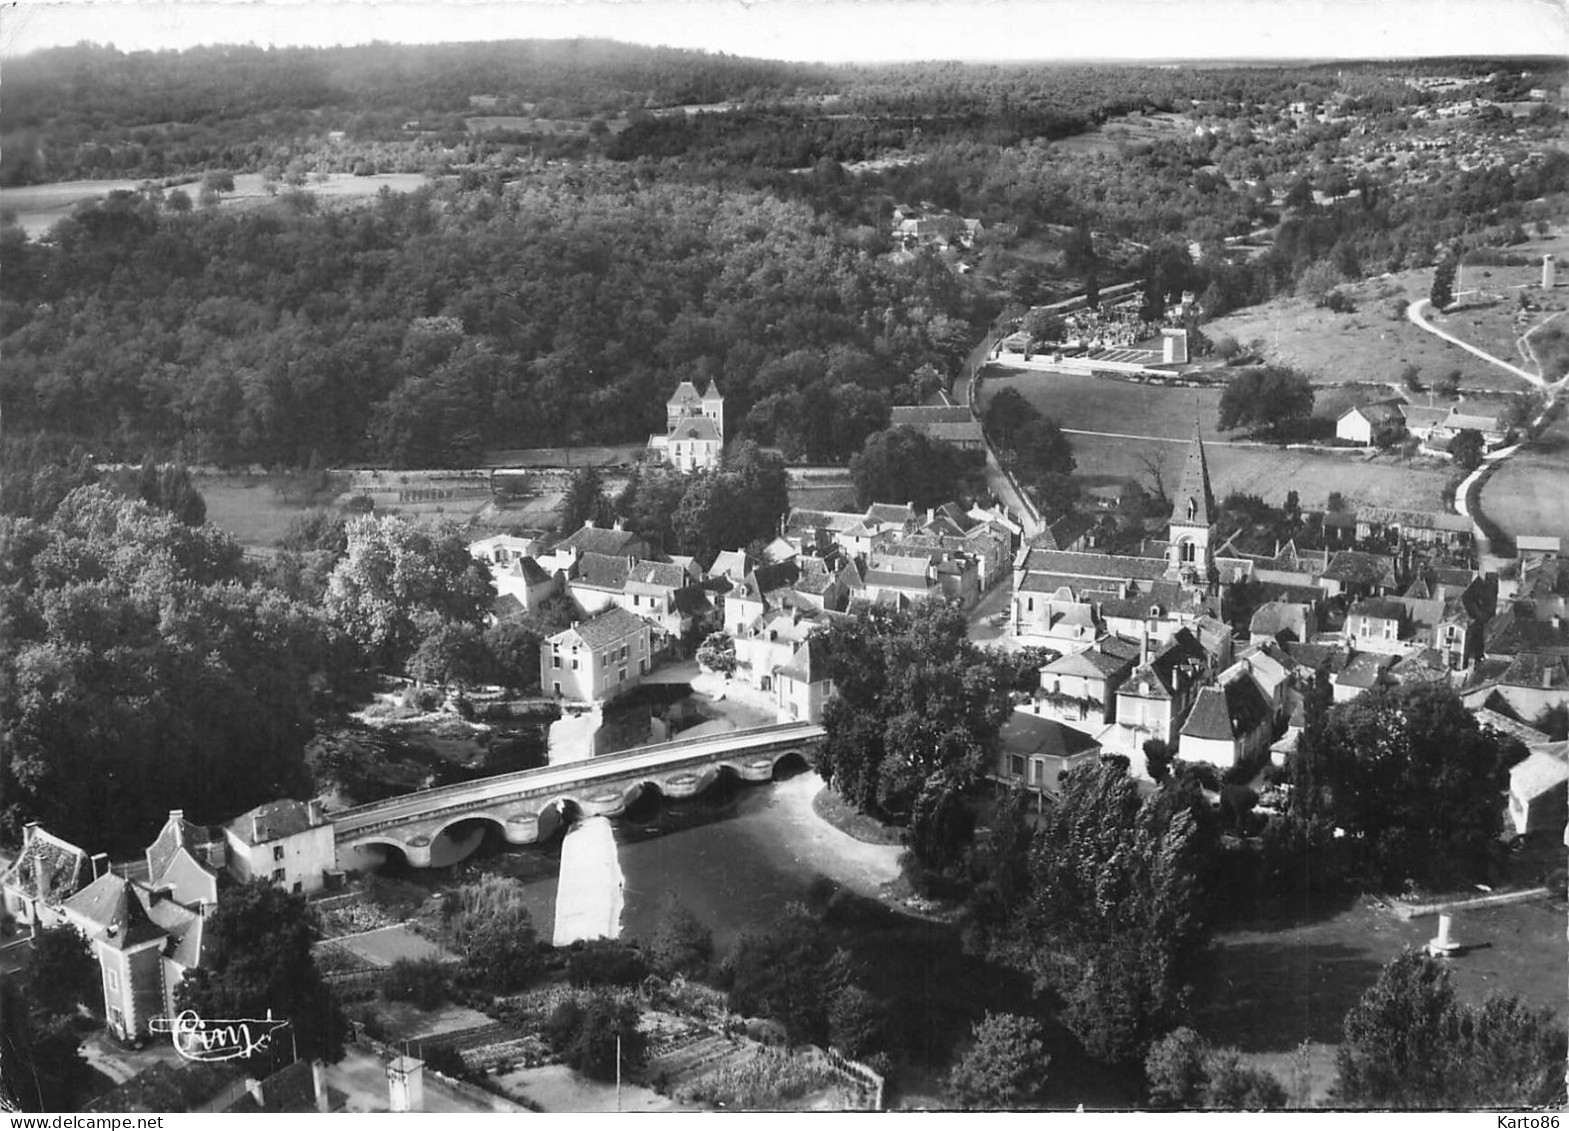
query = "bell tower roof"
x=1194 y=502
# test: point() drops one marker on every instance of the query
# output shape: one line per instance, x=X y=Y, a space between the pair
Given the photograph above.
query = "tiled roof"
x=897 y=513
x=1229 y=712
x=1027 y=734
x=888 y=579
x=609 y=627
x=117 y=917
x=529 y=570
x=1510 y=633
x=1536 y=671
x=733 y=563
x=506 y=606
x=1424 y=417
x=1379 y=412
x=1357 y=568
x=1364 y=670
x=1487 y=717
x=663 y=575
x=1377 y=608
x=810 y=662
x=47 y=869
x=918 y=415
x=801 y=519
x=598 y=540
x=686 y=393
x=176 y=833
x=1539 y=773
x=1279 y=616
x=1413 y=520
x=1068 y=564
x=272 y=821
x=696 y=428
x=692 y=601
x=1062 y=533
x=602 y=571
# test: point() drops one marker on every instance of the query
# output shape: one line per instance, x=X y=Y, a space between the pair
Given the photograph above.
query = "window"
x=622 y=678
x=1029 y=604
x=642 y=666
x=574 y=665
x=1016 y=765
x=112 y=979
x=555 y=662
x=558 y=687
x=277 y=852
x=278 y=876
x=298 y=887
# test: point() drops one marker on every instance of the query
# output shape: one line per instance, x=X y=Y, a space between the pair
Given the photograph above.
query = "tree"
x=1410 y=1044
x=1466 y=449
x=788 y=971
x=256 y=958
x=1004 y=1068
x=63 y=973
x=1044 y=326
x=397 y=580
x=1184 y=1071
x=452 y=653
x=1267 y=397
x=857 y=1022
x=41 y=1064
x=513 y=651
x=1158 y=756
x=682 y=943
x=916 y=715
x=595 y=1032
x=1442 y=294
x=1117 y=905
x=717 y=653
x=489 y=924
x=422 y=981
x=901 y=465
x=1413 y=780
x=584 y=500
x=1300 y=195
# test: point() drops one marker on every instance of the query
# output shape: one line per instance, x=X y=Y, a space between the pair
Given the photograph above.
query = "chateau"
x=694 y=428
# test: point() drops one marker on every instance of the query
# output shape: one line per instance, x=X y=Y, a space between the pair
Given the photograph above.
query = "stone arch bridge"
x=425 y=826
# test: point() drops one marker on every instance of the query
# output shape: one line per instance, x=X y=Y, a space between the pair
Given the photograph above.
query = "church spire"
x=1194 y=502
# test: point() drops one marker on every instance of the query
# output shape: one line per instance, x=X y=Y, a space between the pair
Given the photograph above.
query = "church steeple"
x=1192 y=518
x=1194 y=501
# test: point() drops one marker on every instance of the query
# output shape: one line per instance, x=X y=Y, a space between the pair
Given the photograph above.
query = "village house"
x=597 y=659
x=1282 y=621
x=1231 y=723
x=1034 y=752
x=1448 y=532
x=590 y=538
x=954 y=425
x=1539 y=790
x=1081 y=688
x=1373 y=425
x=287 y=842
x=46 y=872
x=1158 y=695
x=804 y=685
x=522 y=586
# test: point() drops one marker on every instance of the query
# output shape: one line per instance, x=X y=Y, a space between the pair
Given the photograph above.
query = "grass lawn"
x=1367 y=345
x=1529 y=494
x=1270 y=985
x=1386 y=481
x=837 y=812
x=1105 y=404
x=249 y=507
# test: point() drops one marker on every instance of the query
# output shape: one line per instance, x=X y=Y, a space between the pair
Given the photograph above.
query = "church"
x=694 y=429
x=1067 y=600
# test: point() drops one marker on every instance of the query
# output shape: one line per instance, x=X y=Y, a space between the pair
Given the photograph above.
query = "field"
x=1103 y=405
x=1529 y=494
x=40 y=207
x=256 y=509
x=1272 y=985
x=1131 y=129
x=1369 y=344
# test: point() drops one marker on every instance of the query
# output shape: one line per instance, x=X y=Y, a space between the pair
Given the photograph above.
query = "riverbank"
x=841 y=815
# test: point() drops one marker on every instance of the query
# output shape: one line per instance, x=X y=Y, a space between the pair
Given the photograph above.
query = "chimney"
x=406 y=1084
x=255 y=829
x=314 y=812
x=1558 y=622
x=1547 y=678
x=254 y=1087
x=177 y=819
x=588 y=524
x=319 y=1084
x=100 y=864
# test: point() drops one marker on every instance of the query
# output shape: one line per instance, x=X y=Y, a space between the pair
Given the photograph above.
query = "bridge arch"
x=459 y=838
x=373 y=853
x=556 y=815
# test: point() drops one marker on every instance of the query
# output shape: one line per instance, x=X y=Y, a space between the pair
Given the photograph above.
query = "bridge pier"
x=522 y=828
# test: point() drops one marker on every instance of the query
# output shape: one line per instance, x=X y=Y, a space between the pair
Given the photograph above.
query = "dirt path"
x=1414 y=312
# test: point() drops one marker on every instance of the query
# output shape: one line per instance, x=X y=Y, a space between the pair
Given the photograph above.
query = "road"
x=351 y=822
x=1414 y=312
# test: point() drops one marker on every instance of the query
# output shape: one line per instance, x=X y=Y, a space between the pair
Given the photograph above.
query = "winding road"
x=1416 y=314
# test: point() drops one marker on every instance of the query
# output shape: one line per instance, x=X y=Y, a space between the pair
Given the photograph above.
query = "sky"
x=832 y=30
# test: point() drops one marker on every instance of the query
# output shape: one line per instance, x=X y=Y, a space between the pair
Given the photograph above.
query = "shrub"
x=422 y=982
x=606 y=962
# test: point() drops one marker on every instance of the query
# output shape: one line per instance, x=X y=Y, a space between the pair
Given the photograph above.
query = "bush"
x=422 y=982
x=605 y=962
x=583 y=1031
x=400 y=900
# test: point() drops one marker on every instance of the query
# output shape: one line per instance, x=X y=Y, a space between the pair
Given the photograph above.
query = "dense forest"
x=421 y=329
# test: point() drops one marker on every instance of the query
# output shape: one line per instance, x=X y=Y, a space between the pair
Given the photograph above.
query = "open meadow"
x=1373 y=343
x=39 y=207
x=1529 y=494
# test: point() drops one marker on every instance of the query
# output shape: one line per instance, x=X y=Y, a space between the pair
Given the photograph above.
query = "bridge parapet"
x=602 y=786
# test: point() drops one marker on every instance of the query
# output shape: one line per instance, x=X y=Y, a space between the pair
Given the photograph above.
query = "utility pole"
x=618 y=1071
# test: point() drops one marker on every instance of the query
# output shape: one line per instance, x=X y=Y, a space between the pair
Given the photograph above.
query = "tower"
x=1549 y=273
x=1192 y=518
x=714 y=406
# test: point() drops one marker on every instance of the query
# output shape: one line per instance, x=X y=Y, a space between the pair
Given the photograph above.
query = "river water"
x=735 y=856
